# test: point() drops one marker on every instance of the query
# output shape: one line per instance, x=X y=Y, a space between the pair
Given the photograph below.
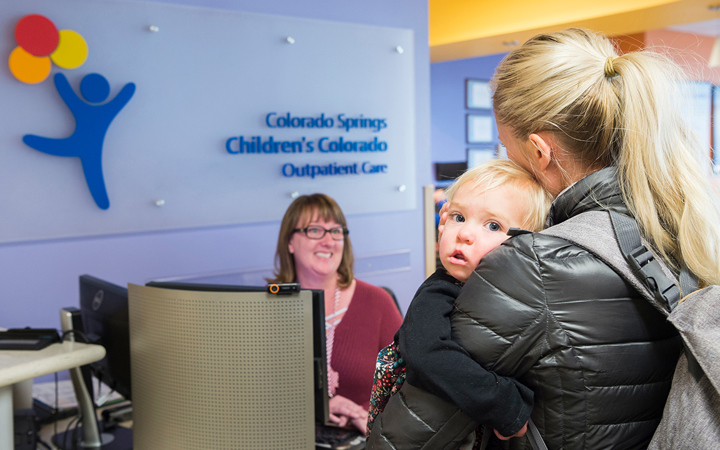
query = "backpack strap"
x=616 y=240
x=536 y=440
x=646 y=266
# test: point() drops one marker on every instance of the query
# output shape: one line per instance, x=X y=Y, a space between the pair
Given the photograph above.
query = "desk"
x=21 y=365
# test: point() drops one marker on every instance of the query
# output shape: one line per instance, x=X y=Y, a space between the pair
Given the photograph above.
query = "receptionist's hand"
x=344 y=410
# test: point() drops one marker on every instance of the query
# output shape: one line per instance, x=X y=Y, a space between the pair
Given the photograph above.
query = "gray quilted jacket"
x=597 y=355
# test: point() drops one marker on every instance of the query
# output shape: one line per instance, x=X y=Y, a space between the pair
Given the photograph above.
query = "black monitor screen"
x=449 y=171
x=104 y=310
x=322 y=409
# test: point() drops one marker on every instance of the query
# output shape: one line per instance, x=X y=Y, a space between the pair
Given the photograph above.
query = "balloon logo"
x=39 y=45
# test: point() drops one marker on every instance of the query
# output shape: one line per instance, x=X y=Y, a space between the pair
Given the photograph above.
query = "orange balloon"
x=28 y=68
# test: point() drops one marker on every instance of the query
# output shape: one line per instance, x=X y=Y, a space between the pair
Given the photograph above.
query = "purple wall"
x=447 y=100
x=38 y=278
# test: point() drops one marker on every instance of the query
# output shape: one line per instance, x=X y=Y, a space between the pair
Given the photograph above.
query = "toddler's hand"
x=443 y=219
x=520 y=433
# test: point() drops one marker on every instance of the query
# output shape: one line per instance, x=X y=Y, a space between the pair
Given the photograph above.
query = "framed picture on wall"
x=479 y=128
x=477 y=94
x=479 y=155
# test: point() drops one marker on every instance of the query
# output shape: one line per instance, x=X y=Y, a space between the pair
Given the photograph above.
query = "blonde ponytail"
x=660 y=166
x=605 y=109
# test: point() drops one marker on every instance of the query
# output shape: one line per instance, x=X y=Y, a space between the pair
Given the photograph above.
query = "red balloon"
x=37 y=35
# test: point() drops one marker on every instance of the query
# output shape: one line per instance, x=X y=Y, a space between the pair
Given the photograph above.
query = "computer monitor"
x=104 y=310
x=449 y=171
x=320 y=385
x=102 y=319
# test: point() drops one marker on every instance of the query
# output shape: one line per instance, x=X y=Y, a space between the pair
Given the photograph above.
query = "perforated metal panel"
x=219 y=370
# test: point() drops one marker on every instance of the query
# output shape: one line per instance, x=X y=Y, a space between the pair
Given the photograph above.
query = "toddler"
x=486 y=205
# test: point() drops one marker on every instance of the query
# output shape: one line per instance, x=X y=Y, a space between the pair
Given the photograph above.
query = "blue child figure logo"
x=92 y=120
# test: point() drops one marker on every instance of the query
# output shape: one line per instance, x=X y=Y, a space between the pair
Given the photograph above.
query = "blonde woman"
x=600 y=131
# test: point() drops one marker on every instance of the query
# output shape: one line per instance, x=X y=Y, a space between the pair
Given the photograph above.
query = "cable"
x=78 y=426
x=77 y=332
x=67 y=431
x=56 y=412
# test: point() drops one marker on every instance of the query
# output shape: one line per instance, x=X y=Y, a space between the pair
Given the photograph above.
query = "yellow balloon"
x=72 y=50
x=28 y=68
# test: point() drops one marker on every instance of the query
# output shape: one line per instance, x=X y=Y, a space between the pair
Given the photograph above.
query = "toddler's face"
x=478 y=221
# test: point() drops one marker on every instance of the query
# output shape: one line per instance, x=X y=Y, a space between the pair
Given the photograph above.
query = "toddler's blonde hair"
x=498 y=172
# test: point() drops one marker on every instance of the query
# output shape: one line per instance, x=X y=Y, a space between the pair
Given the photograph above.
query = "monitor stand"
x=88 y=436
x=116 y=438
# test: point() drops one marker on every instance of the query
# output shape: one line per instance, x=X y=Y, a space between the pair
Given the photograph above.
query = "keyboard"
x=338 y=438
x=28 y=338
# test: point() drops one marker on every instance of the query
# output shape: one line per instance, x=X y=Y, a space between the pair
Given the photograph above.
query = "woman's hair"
x=299 y=214
x=608 y=110
x=497 y=172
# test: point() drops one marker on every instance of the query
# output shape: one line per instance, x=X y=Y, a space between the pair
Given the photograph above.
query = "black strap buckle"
x=649 y=271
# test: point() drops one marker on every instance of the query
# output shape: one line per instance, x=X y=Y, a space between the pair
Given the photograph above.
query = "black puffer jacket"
x=414 y=418
x=598 y=357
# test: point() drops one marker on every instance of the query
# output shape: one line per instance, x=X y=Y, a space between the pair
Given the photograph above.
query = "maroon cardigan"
x=367 y=327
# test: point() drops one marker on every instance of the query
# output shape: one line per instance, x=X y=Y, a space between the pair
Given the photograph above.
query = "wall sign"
x=232 y=110
x=323 y=145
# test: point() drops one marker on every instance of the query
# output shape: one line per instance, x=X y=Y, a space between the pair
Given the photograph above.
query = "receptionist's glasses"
x=338 y=234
